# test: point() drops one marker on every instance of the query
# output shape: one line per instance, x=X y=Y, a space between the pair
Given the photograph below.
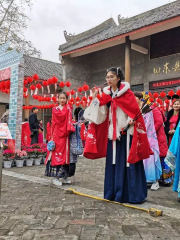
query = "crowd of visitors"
x=142 y=149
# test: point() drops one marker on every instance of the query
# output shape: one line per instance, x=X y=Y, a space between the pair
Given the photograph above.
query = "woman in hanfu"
x=172 y=120
x=173 y=159
x=62 y=126
x=125 y=179
x=152 y=165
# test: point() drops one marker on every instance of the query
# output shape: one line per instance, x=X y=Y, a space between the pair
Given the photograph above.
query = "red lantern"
x=71 y=100
x=150 y=94
x=61 y=84
x=25 y=96
x=68 y=84
x=35 y=77
x=48 y=99
x=25 y=82
x=77 y=104
x=49 y=81
x=162 y=94
x=32 y=87
x=158 y=100
x=68 y=94
x=178 y=92
x=29 y=79
x=54 y=80
x=72 y=92
x=171 y=93
x=154 y=105
x=7 y=84
x=54 y=99
x=167 y=101
x=85 y=87
x=90 y=98
x=45 y=83
x=156 y=95
x=80 y=89
x=39 y=86
x=151 y=99
x=77 y=99
x=25 y=89
x=39 y=98
x=35 y=96
x=84 y=99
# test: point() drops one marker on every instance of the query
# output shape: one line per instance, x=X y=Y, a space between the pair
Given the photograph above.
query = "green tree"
x=13 y=23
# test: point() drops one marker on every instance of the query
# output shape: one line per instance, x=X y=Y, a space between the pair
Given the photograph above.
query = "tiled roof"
x=125 y=25
x=45 y=69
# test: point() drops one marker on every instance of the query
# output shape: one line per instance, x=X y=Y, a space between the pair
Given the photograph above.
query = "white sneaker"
x=57 y=182
x=155 y=186
x=66 y=181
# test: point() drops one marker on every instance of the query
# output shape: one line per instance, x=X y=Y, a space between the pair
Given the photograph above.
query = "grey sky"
x=49 y=18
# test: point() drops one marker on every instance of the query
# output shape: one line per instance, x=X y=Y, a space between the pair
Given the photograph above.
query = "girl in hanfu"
x=152 y=165
x=62 y=126
x=172 y=120
x=125 y=179
x=173 y=159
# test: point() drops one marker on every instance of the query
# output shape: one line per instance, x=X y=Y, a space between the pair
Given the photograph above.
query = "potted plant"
x=29 y=158
x=19 y=156
x=39 y=155
x=31 y=154
x=7 y=158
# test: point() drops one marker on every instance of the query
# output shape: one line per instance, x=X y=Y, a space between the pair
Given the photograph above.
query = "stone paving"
x=30 y=210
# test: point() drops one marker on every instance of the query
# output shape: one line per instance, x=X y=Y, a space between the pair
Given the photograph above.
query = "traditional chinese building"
x=45 y=70
x=146 y=46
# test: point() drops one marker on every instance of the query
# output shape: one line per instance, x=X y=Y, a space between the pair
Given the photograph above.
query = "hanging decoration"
x=68 y=84
x=62 y=84
x=35 y=77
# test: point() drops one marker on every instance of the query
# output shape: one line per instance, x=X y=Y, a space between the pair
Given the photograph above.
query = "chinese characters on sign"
x=165 y=83
x=167 y=69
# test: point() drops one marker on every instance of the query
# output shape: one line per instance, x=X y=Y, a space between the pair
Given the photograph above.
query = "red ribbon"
x=113 y=111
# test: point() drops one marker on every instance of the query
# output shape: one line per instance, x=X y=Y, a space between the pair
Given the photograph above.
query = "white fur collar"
x=121 y=92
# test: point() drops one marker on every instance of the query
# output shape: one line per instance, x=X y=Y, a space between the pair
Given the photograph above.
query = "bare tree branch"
x=13 y=23
x=6 y=12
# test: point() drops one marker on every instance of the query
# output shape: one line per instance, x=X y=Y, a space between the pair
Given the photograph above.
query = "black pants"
x=34 y=139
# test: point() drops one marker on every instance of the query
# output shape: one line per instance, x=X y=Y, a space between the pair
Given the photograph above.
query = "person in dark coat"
x=34 y=124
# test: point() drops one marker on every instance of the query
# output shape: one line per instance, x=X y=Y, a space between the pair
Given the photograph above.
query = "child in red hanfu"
x=62 y=126
x=125 y=179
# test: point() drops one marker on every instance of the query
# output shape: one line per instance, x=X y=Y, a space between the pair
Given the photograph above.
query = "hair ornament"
x=117 y=71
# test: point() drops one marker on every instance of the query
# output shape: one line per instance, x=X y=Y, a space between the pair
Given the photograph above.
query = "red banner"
x=5 y=74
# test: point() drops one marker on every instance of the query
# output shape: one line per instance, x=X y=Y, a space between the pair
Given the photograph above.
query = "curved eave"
x=136 y=34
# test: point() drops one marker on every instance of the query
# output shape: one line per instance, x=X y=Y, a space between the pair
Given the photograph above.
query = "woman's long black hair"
x=119 y=73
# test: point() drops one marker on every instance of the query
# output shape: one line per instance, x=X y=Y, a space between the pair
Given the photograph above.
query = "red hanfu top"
x=96 y=143
x=61 y=127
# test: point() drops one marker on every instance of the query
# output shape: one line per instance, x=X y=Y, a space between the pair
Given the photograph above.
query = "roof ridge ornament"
x=4 y=47
x=121 y=20
x=69 y=37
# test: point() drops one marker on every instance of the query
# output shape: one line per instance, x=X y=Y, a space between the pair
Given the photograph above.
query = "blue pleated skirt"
x=123 y=184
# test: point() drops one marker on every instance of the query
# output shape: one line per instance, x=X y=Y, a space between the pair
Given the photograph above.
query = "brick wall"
x=16 y=102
